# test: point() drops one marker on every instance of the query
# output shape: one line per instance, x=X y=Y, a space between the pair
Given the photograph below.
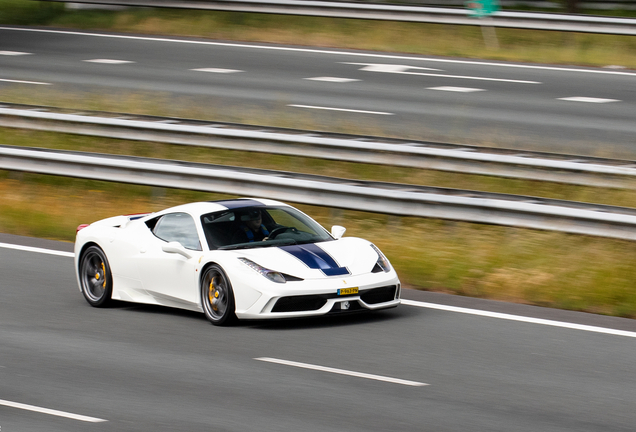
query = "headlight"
x=272 y=275
x=383 y=262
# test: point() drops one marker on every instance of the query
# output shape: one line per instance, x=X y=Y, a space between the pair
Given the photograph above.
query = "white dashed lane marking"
x=342 y=372
x=50 y=411
x=587 y=99
x=13 y=53
x=341 y=109
x=109 y=61
x=456 y=89
x=217 y=70
x=332 y=79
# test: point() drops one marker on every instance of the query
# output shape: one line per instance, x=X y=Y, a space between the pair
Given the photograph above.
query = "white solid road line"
x=217 y=70
x=519 y=318
x=23 y=82
x=456 y=89
x=467 y=77
x=406 y=302
x=37 y=250
x=341 y=109
x=14 y=53
x=51 y=411
x=389 y=68
x=404 y=70
x=332 y=79
x=108 y=61
x=587 y=99
x=342 y=372
x=318 y=51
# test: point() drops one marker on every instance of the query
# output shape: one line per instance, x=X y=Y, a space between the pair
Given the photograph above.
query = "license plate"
x=347 y=291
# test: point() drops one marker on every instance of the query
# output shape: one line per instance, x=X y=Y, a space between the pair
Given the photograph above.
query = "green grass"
x=432 y=39
x=26 y=12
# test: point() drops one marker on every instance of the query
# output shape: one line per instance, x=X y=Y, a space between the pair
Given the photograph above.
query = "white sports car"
x=242 y=258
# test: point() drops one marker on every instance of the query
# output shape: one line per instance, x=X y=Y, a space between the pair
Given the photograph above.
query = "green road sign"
x=481 y=8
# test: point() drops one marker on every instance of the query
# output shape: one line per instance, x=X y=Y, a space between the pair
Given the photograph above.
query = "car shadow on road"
x=328 y=321
x=156 y=309
x=324 y=321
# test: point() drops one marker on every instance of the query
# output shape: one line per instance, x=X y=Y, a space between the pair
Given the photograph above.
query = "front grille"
x=300 y=303
x=379 y=295
x=316 y=301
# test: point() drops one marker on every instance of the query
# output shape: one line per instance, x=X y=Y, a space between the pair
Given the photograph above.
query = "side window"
x=178 y=227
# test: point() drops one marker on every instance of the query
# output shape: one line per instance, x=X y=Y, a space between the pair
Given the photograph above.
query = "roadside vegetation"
x=431 y=39
x=526 y=266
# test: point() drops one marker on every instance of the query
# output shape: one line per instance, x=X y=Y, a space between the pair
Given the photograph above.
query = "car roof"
x=199 y=208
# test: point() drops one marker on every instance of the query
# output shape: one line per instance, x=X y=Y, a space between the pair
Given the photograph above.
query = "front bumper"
x=308 y=301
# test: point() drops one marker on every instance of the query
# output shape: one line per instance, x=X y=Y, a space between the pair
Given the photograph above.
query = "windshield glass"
x=261 y=226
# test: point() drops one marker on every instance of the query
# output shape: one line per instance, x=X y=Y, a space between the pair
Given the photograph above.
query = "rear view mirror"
x=176 y=247
x=337 y=231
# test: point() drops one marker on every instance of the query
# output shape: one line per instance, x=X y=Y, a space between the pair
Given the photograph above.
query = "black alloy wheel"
x=95 y=277
x=217 y=297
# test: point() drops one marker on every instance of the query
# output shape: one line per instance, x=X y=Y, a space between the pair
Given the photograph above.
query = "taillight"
x=81 y=227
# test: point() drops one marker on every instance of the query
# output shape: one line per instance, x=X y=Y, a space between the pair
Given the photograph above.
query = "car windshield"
x=260 y=226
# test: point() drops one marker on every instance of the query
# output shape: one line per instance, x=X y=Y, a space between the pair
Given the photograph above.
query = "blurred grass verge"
x=525 y=266
x=431 y=39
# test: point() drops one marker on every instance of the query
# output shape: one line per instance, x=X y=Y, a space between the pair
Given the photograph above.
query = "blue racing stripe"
x=316 y=258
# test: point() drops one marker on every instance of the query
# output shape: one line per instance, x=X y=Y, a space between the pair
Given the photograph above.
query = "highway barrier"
x=386 y=198
x=569 y=169
x=392 y=12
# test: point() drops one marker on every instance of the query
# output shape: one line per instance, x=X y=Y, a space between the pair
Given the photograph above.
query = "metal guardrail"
x=388 y=12
x=568 y=169
x=386 y=198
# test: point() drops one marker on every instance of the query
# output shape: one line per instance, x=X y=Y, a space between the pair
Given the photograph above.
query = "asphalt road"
x=143 y=368
x=439 y=99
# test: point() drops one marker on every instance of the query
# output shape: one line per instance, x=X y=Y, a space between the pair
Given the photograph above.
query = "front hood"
x=343 y=257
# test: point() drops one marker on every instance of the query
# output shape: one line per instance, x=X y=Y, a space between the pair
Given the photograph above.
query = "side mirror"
x=337 y=231
x=176 y=247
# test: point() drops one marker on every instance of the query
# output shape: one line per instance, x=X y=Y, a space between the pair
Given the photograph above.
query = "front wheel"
x=217 y=297
x=95 y=277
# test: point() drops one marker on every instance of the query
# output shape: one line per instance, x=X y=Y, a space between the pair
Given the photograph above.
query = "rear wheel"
x=217 y=297
x=95 y=277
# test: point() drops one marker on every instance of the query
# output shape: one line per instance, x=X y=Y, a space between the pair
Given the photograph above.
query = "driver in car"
x=251 y=228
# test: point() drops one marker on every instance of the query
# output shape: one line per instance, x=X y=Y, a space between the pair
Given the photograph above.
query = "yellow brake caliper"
x=213 y=295
x=104 y=273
